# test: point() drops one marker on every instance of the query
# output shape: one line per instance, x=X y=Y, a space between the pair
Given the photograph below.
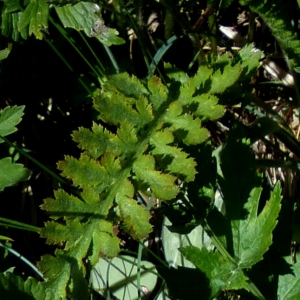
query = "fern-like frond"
x=142 y=152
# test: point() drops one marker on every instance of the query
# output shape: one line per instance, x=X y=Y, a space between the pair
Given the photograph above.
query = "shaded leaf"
x=254 y=234
x=14 y=287
x=220 y=81
x=11 y=173
x=9 y=118
x=220 y=272
x=289 y=284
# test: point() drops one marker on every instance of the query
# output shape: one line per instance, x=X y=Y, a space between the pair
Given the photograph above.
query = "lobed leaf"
x=67 y=207
x=9 y=118
x=134 y=218
x=220 y=272
x=220 y=81
x=162 y=185
x=289 y=283
x=254 y=234
x=173 y=159
x=36 y=15
x=85 y=172
x=14 y=287
x=185 y=126
x=11 y=173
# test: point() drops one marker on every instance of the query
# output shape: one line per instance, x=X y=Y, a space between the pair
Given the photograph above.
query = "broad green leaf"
x=134 y=218
x=11 y=173
x=85 y=16
x=173 y=241
x=9 y=118
x=36 y=15
x=4 y=53
x=289 y=283
x=119 y=276
x=58 y=269
x=137 y=154
x=220 y=272
x=253 y=235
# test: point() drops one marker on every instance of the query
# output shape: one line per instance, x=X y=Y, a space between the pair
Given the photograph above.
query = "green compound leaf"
x=36 y=15
x=85 y=16
x=139 y=153
x=9 y=118
x=11 y=173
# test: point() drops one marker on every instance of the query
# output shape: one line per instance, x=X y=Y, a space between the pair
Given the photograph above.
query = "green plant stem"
x=70 y=40
x=25 y=260
x=251 y=27
x=69 y=66
x=138 y=277
x=101 y=67
x=213 y=41
x=112 y=58
x=160 y=53
x=140 y=36
x=18 y=225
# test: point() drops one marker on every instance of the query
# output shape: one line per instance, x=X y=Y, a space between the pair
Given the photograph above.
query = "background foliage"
x=163 y=130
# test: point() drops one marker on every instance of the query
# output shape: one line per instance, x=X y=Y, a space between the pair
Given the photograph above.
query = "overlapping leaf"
x=251 y=236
